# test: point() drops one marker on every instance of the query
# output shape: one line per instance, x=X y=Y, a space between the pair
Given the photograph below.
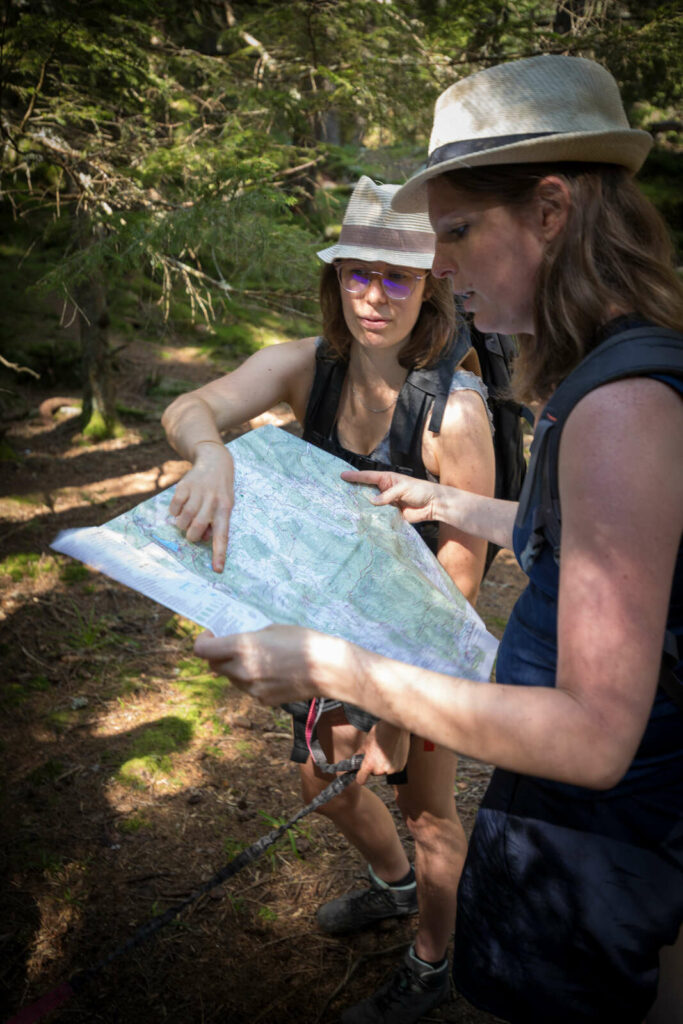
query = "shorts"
x=360 y=719
x=564 y=903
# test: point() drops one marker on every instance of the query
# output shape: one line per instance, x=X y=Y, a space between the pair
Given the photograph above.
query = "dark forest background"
x=171 y=167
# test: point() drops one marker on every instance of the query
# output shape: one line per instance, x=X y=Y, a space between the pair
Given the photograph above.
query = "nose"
x=375 y=290
x=444 y=264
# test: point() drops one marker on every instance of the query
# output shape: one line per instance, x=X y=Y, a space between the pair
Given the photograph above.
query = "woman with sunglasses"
x=370 y=390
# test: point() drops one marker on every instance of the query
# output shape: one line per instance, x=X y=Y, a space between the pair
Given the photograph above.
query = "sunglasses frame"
x=415 y=278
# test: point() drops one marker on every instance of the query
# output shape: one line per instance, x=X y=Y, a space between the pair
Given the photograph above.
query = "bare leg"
x=358 y=813
x=428 y=806
x=668 y=1008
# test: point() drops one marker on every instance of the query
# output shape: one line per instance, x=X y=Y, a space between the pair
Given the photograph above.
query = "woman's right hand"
x=385 y=750
x=204 y=498
x=415 y=499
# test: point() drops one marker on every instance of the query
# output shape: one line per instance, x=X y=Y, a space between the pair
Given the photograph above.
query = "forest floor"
x=131 y=776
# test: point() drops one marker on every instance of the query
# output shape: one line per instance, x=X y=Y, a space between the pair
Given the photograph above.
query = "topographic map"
x=305 y=548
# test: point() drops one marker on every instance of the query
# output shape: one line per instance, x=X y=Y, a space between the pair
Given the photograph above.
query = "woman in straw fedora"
x=381 y=379
x=572 y=893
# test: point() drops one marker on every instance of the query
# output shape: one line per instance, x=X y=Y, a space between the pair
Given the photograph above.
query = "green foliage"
x=149 y=755
x=133 y=824
x=73 y=572
x=189 y=150
x=267 y=914
x=204 y=688
x=90 y=631
x=99 y=428
x=14 y=694
x=21 y=566
x=660 y=181
x=245 y=750
x=291 y=833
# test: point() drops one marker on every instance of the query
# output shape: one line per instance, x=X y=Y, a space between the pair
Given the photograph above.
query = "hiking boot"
x=364 y=907
x=415 y=989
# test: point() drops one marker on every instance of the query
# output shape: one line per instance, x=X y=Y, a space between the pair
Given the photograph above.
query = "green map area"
x=305 y=548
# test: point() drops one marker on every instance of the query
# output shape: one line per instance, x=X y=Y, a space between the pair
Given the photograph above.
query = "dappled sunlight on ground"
x=132 y=775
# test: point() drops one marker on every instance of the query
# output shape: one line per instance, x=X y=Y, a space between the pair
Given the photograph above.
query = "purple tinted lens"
x=395 y=290
x=357 y=281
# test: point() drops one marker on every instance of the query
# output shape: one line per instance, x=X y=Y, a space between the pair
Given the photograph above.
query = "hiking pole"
x=59 y=995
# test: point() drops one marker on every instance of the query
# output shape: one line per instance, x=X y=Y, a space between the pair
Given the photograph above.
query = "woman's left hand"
x=275 y=664
x=385 y=750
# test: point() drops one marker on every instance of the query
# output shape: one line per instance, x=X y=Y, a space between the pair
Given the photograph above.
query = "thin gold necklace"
x=369 y=407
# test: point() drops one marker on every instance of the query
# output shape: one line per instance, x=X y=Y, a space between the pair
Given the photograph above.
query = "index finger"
x=362 y=476
x=219 y=545
x=205 y=643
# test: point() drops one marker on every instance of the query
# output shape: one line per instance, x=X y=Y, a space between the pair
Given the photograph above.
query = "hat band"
x=386 y=238
x=466 y=147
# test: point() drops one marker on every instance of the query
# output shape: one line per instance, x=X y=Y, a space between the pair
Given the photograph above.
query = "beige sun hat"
x=373 y=231
x=540 y=109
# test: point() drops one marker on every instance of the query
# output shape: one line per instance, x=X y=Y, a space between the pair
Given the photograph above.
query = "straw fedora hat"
x=373 y=231
x=541 y=109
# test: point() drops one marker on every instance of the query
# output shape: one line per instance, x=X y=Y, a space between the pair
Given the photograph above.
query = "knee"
x=336 y=808
x=422 y=824
x=428 y=827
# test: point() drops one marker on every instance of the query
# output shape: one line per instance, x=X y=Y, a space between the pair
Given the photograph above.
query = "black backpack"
x=496 y=353
x=634 y=352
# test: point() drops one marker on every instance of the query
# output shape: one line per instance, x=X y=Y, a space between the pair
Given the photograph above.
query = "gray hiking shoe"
x=364 y=907
x=415 y=989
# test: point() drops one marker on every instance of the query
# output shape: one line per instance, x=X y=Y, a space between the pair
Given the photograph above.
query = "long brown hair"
x=615 y=251
x=430 y=337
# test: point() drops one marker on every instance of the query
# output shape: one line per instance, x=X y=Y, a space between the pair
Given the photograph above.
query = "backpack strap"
x=671 y=656
x=323 y=401
x=424 y=390
x=637 y=352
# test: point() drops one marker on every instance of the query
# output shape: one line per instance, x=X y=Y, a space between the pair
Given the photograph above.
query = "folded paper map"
x=305 y=548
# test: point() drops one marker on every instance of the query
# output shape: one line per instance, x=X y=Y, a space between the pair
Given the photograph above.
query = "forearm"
x=188 y=421
x=566 y=732
x=546 y=732
x=489 y=518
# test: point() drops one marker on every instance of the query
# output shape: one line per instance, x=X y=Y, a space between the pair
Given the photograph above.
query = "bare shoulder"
x=297 y=354
x=620 y=454
x=465 y=423
x=629 y=414
x=461 y=454
x=465 y=408
x=276 y=373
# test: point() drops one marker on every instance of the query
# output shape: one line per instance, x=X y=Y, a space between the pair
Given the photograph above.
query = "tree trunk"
x=98 y=417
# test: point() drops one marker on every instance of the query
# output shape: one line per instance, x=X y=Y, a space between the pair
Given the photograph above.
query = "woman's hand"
x=204 y=498
x=419 y=500
x=385 y=750
x=279 y=663
x=415 y=499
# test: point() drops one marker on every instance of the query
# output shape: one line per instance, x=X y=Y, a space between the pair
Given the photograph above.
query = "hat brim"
x=627 y=148
x=399 y=259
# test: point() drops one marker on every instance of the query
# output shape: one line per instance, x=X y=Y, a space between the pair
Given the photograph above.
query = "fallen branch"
x=18 y=369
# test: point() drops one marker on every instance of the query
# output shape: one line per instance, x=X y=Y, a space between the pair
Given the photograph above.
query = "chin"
x=486 y=324
x=492 y=325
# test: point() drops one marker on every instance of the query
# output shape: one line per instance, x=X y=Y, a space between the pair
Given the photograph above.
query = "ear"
x=554 y=203
x=428 y=290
